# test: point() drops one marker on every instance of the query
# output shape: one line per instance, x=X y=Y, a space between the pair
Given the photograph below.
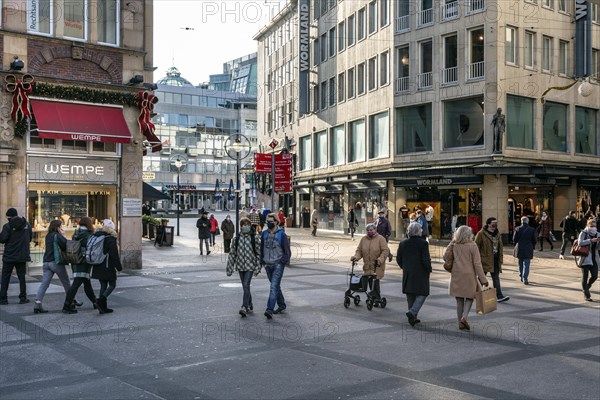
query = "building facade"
x=70 y=140
x=404 y=99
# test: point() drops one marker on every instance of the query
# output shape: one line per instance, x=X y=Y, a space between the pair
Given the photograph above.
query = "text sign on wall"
x=583 y=38
x=303 y=56
x=88 y=170
x=132 y=207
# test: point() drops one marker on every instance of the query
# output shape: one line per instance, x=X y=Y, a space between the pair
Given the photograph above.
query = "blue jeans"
x=524 y=268
x=49 y=269
x=246 y=278
x=415 y=302
x=275 y=273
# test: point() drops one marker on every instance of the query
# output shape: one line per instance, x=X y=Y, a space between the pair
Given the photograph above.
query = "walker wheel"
x=383 y=302
x=369 y=304
x=346 y=302
x=357 y=300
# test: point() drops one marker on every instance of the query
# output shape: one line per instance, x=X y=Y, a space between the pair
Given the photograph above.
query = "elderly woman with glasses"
x=373 y=249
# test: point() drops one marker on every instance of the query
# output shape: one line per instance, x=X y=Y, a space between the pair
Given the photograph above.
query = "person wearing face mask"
x=274 y=255
x=373 y=249
x=544 y=230
x=489 y=242
x=244 y=258
x=589 y=264
x=228 y=230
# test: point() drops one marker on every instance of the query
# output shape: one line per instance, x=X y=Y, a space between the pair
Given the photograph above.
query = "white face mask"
x=593 y=230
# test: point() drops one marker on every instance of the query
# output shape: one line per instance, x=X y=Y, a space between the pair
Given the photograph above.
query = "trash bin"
x=289 y=222
x=169 y=230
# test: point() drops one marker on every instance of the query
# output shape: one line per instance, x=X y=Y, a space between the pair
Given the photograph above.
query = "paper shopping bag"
x=486 y=301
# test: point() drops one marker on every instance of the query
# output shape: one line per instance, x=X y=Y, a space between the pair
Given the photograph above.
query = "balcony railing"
x=473 y=6
x=425 y=80
x=450 y=11
x=402 y=24
x=425 y=17
x=402 y=85
x=476 y=70
x=450 y=75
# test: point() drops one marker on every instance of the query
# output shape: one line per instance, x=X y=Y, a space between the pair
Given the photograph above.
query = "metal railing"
x=425 y=80
x=402 y=85
x=476 y=70
x=450 y=11
x=402 y=24
x=473 y=6
x=425 y=17
x=450 y=75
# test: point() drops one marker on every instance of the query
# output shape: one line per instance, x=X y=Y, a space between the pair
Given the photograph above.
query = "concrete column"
x=565 y=199
x=392 y=208
x=400 y=200
x=494 y=200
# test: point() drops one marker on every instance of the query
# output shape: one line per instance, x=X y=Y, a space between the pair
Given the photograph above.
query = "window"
x=403 y=16
x=596 y=63
x=351 y=30
x=563 y=54
x=372 y=17
x=520 y=128
x=413 y=129
x=338 y=145
x=108 y=21
x=546 y=53
x=323 y=100
x=40 y=16
x=426 y=65
x=332 y=94
x=529 y=56
x=384 y=77
x=362 y=27
x=323 y=42
x=594 y=7
x=332 y=42
x=351 y=83
x=510 y=46
x=306 y=153
x=357 y=141
x=449 y=9
x=373 y=73
x=341 y=30
x=476 y=67
x=463 y=122
x=548 y=3
x=562 y=6
x=379 y=135
x=315 y=98
x=321 y=149
x=384 y=16
x=341 y=82
x=74 y=19
x=450 y=72
x=586 y=131
x=403 y=69
x=360 y=79
x=425 y=13
x=555 y=125
x=316 y=51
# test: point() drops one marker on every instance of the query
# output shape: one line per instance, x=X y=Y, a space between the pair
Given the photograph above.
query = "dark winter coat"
x=570 y=227
x=16 y=235
x=49 y=255
x=384 y=228
x=545 y=228
x=227 y=229
x=82 y=270
x=414 y=259
x=107 y=271
x=524 y=238
x=203 y=225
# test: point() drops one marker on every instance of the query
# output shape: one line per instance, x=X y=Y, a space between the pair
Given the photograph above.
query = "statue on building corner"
x=498 y=123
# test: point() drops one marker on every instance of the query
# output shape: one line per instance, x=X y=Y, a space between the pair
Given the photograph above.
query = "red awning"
x=76 y=121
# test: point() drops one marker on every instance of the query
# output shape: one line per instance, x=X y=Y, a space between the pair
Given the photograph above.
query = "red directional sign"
x=283 y=169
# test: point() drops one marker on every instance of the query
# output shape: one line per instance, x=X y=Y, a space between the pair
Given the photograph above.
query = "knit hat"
x=12 y=212
x=108 y=223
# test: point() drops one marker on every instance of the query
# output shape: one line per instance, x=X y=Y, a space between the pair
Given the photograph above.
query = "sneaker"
x=24 y=301
x=503 y=299
x=269 y=314
x=250 y=308
x=561 y=257
x=279 y=310
x=243 y=312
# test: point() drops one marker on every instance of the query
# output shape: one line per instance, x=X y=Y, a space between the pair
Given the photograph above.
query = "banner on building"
x=583 y=38
x=303 y=57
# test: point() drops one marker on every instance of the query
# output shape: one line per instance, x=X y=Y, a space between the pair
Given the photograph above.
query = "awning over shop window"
x=151 y=193
x=76 y=121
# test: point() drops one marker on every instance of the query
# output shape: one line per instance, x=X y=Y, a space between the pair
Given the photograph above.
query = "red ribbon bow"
x=20 y=89
x=146 y=102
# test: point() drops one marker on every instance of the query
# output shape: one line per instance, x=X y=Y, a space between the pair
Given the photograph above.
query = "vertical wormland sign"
x=583 y=38
x=303 y=56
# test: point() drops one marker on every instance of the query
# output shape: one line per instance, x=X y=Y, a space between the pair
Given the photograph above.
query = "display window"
x=528 y=201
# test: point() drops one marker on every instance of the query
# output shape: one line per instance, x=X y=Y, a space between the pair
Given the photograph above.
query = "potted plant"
x=152 y=224
x=145 y=223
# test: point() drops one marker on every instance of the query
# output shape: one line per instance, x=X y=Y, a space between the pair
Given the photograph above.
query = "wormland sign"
x=303 y=56
x=54 y=169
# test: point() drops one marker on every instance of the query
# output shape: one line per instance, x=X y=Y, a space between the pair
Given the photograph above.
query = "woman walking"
x=81 y=272
x=373 y=249
x=214 y=224
x=106 y=272
x=244 y=258
x=52 y=264
x=228 y=230
x=203 y=225
x=314 y=222
x=545 y=231
x=466 y=270
x=589 y=264
x=414 y=259
x=352 y=222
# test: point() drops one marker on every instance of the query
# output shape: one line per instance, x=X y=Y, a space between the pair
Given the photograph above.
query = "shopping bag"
x=486 y=301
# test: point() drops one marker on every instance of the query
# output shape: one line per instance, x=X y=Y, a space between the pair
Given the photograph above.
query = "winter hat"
x=108 y=223
x=12 y=212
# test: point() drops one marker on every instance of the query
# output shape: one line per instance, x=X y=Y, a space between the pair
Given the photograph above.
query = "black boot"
x=105 y=303
x=102 y=306
x=38 y=309
x=68 y=309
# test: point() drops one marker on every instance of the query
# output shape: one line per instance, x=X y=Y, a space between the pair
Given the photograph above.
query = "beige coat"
x=465 y=270
x=371 y=249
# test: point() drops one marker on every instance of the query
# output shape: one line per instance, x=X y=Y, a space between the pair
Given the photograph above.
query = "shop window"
x=74 y=145
x=357 y=141
x=463 y=122
x=305 y=153
x=379 y=135
x=413 y=129
x=104 y=147
x=555 y=126
x=338 y=145
x=520 y=128
x=321 y=149
x=35 y=141
x=586 y=131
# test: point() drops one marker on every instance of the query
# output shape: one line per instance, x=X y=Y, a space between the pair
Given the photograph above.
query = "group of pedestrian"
x=16 y=235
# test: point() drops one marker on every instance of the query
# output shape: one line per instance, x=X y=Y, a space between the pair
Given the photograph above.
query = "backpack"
x=94 y=252
x=73 y=253
x=253 y=241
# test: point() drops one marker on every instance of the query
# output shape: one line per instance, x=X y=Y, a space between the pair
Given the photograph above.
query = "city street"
x=176 y=334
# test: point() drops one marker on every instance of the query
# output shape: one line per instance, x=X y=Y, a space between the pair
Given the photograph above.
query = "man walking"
x=274 y=255
x=421 y=219
x=489 y=242
x=15 y=235
x=352 y=222
x=570 y=227
x=524 y=239
x=384 y=228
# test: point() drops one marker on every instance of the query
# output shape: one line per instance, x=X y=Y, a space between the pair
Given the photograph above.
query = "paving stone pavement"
x=176 y=334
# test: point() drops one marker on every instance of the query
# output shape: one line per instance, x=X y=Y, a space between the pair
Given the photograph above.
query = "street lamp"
x=178 y=162
x=237 y=147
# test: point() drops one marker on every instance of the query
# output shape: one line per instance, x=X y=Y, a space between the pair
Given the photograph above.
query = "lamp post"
x=178 y=162
x=237 y=147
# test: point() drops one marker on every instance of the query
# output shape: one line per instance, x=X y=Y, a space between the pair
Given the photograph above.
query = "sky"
x=198 y=36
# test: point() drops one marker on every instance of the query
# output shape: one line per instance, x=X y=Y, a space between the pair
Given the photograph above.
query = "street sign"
x=273 y=143
x=283 y=169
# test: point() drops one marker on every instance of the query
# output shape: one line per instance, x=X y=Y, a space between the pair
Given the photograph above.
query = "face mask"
x=370 y=233
x=245 y=229
x=271 y=225
x=593 y=230
x=227 y=218
x=544 y=217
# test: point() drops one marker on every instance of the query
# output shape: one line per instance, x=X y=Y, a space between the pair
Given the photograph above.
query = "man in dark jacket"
x=203 y=225
x=570 y=226
x=228 y=230
x=524 y=239
x=384 y=228
x=15 y=235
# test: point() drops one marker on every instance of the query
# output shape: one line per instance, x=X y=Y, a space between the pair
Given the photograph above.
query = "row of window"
x=69 y=146
x=185 y=120
x=192 y=99
x=157 y=164
x=463 y=125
